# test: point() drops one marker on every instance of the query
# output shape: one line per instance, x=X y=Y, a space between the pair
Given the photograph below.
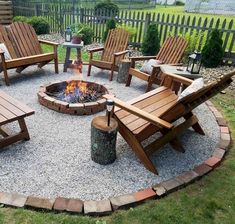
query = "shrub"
x=20 y=19
x=132 y=30
x=151 y=42
x=111 y=24
x=179 y=3
x=40 y=25
x=212 y=52
x=106 y=8
x=85 y=31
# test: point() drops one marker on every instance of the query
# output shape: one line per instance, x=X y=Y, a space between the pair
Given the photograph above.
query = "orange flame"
x=73 y=85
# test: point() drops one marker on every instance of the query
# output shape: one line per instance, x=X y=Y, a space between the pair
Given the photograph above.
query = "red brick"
x=221 y=121
x=218 y=114
x=219 y=153
x=97 y=208
x=188 y=177
x=213 y=161
x=12 y=199
x=122 y=201
x=213 y=109
x=223 y=144
x=202 y=169
x=172 y=184
x=41 y=94
x=41 y=203
x=225 y=136
x=61 y=204
x=144 y=195
x=159 y=189
x=75 y=205
x=209 y=103
x=224 y=130
x=49 y=99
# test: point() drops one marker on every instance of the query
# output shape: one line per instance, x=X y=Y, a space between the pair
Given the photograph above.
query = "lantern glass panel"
x=68 y=35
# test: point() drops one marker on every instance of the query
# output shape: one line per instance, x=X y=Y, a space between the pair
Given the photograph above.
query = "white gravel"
x=56 y=161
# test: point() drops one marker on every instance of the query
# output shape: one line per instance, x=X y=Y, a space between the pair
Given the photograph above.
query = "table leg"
x=79 y=59
x=66 y=62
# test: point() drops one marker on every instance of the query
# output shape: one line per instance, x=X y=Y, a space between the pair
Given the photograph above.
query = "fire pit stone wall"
x=69 y=108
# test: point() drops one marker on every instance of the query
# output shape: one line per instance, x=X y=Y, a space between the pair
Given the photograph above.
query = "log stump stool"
x=123 y=71
x=103 y=140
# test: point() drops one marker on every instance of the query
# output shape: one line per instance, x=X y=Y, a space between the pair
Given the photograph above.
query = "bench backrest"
x=20 y=39
x=172 y=50
x=117 y=40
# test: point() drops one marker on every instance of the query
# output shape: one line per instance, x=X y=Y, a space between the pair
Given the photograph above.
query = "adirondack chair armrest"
x=120 y=53
x=140 y=113
x=176 y=78
x=142 y=58
x=48 y=42
x=95 y=49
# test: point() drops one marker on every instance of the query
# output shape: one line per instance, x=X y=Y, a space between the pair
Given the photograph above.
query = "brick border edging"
x=105 y=207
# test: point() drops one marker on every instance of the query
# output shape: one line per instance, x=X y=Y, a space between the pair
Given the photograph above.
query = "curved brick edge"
x=105 y=207
x=69 y=108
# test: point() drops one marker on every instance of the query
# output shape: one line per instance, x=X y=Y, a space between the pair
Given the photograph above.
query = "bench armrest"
x=142 y=58
x=120 y=53
x=140 y=113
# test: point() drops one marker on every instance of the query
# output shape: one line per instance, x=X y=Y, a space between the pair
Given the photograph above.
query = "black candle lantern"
x=68 y=34
x=194 y=63
x=109 y=106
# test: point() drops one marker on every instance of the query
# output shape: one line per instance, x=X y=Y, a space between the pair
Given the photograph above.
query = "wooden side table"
x=179 y=70
x=68 y=61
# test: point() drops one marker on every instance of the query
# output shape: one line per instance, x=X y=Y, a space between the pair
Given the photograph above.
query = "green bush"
x=132 y=30
x=110 y=24
x=85 y=31
x=106 y=8
x=40 y=25
x=20 y=19
x=179 y=3
x=212 y=52
x=151 y=42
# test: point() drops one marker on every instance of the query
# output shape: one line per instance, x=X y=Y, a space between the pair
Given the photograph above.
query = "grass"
x=209 y=200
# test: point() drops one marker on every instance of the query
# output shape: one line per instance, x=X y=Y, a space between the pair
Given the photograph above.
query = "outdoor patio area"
x=57 y=161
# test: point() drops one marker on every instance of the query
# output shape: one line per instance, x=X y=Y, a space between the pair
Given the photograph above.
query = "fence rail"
x=195 y=29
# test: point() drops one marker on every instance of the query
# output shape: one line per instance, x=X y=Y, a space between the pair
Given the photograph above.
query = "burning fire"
x=74 y=86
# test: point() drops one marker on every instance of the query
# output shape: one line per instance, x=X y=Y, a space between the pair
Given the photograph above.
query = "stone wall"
x=226 y=7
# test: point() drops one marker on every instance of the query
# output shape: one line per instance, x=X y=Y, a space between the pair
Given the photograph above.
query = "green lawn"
x=209 y=200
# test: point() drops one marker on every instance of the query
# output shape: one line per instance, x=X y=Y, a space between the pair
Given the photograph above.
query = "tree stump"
x=103 y=140
x=123 y=71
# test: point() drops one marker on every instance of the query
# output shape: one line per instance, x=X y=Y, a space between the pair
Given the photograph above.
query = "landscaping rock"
x=12 y=199
x=41 y=203
x=97 y=207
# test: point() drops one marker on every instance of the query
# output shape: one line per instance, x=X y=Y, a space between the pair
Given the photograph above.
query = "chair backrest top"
x=117 y=40
x=188 y=103
x=20 y=39
x=172 y=50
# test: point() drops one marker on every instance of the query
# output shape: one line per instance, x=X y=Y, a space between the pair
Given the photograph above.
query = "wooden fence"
x=195 y=29
x=6 y=13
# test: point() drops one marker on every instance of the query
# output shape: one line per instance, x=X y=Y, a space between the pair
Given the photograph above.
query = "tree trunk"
x=123 y=70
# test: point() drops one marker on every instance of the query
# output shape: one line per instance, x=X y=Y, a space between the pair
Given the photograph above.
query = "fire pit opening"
x=73 y=97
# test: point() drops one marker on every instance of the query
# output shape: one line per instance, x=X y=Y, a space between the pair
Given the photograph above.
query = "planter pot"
x=76 y=40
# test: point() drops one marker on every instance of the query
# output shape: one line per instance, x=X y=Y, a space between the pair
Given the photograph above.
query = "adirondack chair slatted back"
x=188 y=103
x=25 y=38
x=172 y=50
x=5 y=38
x=117 y=40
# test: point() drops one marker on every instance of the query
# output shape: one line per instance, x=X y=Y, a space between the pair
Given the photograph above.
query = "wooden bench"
x=12 y=110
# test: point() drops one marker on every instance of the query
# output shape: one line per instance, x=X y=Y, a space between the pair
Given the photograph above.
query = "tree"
x=213 y=52
x=111 y=24
x=151 y=43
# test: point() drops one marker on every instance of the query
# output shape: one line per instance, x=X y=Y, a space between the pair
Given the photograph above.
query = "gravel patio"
x=56 y=161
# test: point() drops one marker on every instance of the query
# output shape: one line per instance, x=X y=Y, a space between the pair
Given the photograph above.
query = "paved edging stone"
x=98 y=208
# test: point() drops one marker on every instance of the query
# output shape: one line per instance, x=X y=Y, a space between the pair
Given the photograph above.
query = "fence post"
x=147 y=22
x=37 y=13
x=81 y=14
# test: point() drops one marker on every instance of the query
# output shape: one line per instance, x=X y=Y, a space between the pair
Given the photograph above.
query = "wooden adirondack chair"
x=114 y=50
x=156 y=111
x=24 y=48
x=171 y=52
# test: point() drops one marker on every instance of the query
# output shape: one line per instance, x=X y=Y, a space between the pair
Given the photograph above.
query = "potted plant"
x=77 y=36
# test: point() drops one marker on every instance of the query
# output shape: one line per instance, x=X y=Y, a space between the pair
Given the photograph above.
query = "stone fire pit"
x=73 y=97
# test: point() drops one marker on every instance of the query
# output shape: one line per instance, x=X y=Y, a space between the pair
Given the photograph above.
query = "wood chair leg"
x=111 y=75
x=196 y=127
x=7 y=81
x=136 y=146
x=89 y=70
x=24 y=129
x=149 y=85
x=56 y=65
x=129 y=80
